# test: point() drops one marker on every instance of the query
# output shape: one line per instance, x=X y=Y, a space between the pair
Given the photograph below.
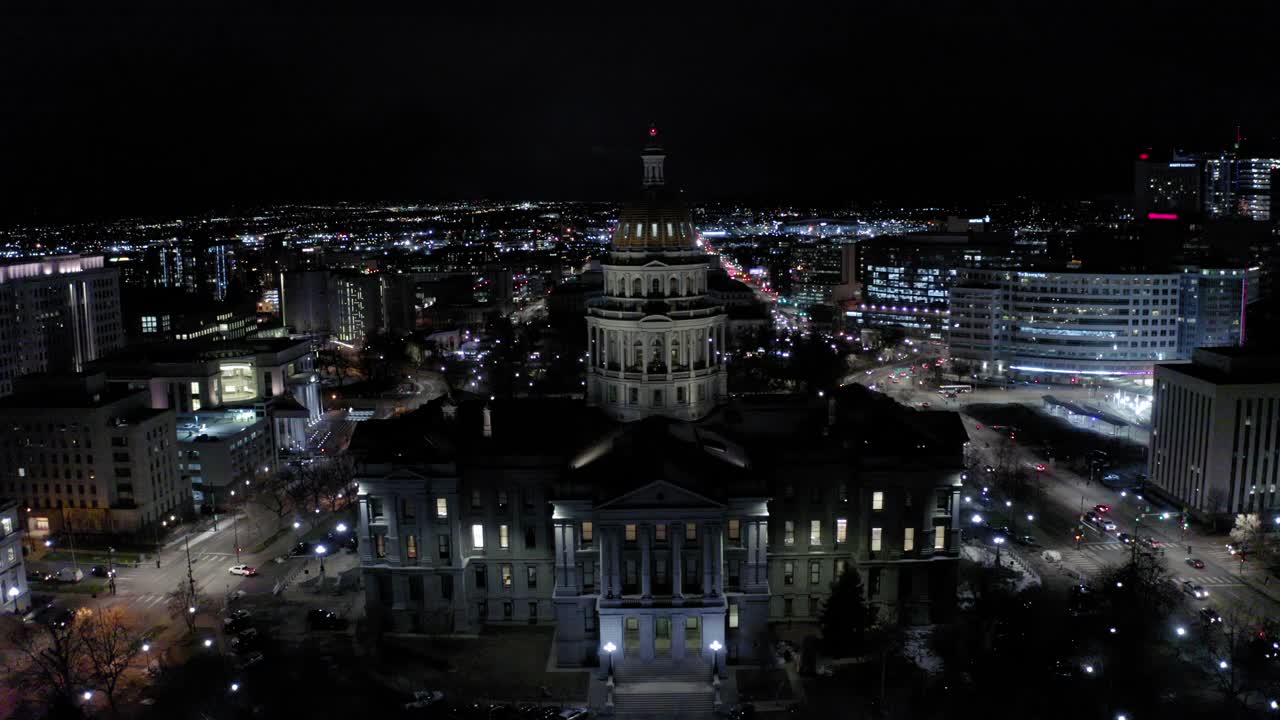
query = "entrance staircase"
x=663 y=689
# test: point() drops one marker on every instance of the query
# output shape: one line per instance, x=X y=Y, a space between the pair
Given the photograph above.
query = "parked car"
x=39 y=576
x=424 y=699
x=245 y=570
x=246 y=640
x=576 y=713
x=1194 y=590
x=236 y=622
x=59 y=618
x=1196 y=563
x=324 y=619
x=1091 y=516
x=303 y=549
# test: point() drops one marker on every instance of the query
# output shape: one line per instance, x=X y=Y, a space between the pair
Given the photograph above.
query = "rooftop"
x=214 y=425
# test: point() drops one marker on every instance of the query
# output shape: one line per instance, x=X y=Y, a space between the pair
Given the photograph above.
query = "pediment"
x=659 y=494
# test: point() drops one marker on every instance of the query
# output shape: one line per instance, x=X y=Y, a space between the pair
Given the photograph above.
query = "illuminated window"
x=875 y=539
x=506 y=577
x=789 y=533
x=877 y=500
x=691 y=532
x=630 y=532
x=815 y=532
x=411 y=547
x=587 y=533
x=842 y=529
x=909 y=539
x=442 y=507
x=477 y=536
x=735 y=530
x=660 y=532
x=733 y=615
x=788 y=573
x=940 y=537
x=504 y=537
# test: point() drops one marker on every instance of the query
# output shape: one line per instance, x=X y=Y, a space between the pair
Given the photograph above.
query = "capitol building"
x=658 y=517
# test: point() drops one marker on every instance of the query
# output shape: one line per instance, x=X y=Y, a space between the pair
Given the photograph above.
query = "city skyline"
x=176 y=112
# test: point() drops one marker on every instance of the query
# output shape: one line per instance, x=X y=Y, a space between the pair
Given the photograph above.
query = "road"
x=1063 y=495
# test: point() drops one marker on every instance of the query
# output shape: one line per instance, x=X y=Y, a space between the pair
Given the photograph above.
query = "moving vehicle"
x=1102 y=509
x=245 y=570
x=101 y=571
x=1194 y=590
x=1196 y=563
x=956 y=388
x=1125 y=538
x=70 y=575
x=424 y=699
x=1209 y=615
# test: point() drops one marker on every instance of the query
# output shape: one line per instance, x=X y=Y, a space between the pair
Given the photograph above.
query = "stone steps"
x=686 y=672
x=671 y=701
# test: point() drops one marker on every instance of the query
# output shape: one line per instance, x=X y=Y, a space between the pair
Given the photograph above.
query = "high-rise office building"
x=61 y=313
x=1214 y=432
x=87 y=455
x=1167 y=187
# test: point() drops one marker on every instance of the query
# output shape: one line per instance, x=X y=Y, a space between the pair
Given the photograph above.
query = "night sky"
x=150 y=112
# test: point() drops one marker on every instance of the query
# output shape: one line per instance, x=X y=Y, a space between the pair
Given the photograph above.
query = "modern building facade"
x=84 y=454
x=63 y=312
x=1044 y=324
x=655 y=341
x=1064 y=323
x=1214 y=432
x=223 y=450
x=906 y=280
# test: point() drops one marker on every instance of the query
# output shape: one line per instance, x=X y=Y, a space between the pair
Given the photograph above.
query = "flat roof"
x=214 y=425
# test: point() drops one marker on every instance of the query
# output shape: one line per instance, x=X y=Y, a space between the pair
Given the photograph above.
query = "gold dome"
x=659 y=221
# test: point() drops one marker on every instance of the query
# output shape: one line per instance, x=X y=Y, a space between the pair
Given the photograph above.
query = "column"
x=717 y=560
x=646 y=552
x=644 y=356
x=606 y=558
x=707 y=587
x=670 y=361
x=677 y=637
x=616 y=547
x=677 y=564
x=566 y=556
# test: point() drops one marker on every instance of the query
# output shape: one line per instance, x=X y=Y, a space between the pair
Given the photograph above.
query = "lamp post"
x=609 y=647
x=320 y=551
x=999 y=541
x=14 y=592
x=715 y=658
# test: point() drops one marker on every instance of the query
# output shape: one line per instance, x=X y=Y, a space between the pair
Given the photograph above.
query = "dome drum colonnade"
x=655 y=341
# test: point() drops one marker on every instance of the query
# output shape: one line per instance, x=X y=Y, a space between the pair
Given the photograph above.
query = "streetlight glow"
x=146 y=647
x=208 y=642
x=342 y=527
x=977 y=519
x=1181 y=631
x=320 y=550
x=235 y=687
x=1222 y=664
x=88 y=695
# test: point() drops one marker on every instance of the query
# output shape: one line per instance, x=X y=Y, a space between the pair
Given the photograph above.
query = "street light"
x=320 y=551
x=715 y=658
x=1222 y=665
x=342 y=527
x=609 y=647
x=88 y=695
x=1181 y=631
x=235 y=687
x=208 y=643
x=976 y=519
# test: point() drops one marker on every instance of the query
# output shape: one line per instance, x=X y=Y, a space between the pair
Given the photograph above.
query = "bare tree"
x=1228 y=645
x=272 y=494
x=111 y=645
x=47 y=660
x=184 y=601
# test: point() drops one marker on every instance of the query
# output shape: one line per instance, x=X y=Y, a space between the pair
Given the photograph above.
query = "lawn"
x=92 y=557
x=507 y=664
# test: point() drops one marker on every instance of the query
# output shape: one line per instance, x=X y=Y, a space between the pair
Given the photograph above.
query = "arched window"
x=656 y=354
x=637 y=352
x=673 y=286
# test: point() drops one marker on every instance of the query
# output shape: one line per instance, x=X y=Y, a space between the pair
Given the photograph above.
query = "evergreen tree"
x=845 y=616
